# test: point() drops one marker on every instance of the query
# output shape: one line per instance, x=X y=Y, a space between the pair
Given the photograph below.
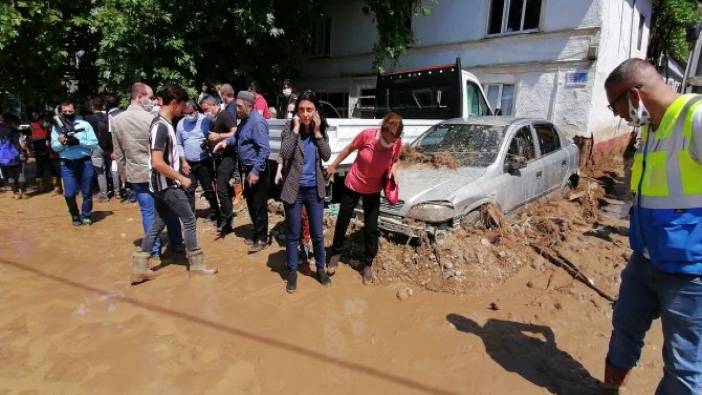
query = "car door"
x=554 y=158
x=519 y=187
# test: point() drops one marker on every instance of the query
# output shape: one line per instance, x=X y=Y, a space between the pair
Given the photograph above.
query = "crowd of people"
x=165 y=146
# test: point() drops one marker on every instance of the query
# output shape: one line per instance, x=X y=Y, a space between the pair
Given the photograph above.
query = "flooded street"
x=70 y=323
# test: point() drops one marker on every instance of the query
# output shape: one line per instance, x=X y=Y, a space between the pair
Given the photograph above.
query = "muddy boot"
x=140 y=268
x=323 y=277
x=196 y=263
x=333 y=263
x=615 y=378
x=291 y=285
x=57 y=185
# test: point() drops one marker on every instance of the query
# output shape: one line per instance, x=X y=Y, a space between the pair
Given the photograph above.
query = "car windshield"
x=470 y=145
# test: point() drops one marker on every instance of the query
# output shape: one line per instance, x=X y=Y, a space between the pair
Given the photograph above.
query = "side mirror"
x=514 y=163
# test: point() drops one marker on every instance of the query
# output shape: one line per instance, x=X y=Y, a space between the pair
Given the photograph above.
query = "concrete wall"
x=539 y=64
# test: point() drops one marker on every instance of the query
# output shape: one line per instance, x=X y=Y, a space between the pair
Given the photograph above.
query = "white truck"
x=423 y=97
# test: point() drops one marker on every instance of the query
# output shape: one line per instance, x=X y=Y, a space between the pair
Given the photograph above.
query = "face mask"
x=69 y=117
x=384 y=143
x=148 y=106
x=287 y=92
x=155 y=108
x=190 y=118
x=639 y=116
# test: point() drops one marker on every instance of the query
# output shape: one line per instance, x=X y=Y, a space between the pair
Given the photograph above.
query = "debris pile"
x=410 y=155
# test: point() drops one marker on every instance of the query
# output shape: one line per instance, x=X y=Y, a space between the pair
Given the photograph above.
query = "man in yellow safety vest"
x=664 y=275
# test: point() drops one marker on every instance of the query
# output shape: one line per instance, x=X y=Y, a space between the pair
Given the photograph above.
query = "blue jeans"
x=77 y=176
x=646 y=294
x=145 y=199
x=293 y=215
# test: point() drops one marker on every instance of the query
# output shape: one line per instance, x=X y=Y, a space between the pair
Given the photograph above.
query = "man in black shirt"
x=169 y=184
x=224 y=126
x=101 y=156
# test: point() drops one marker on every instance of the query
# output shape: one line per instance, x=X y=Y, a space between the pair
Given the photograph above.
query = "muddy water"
x=71 y=323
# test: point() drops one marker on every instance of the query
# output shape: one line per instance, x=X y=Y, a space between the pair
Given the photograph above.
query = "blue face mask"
x=191 y=117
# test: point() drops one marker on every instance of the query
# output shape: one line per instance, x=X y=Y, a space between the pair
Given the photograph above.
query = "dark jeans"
x=225 y=170
x=14 y=177
x=147 y=205
x=202 y=173
x=371 y=208
x=44 y=167
x=306 y=197
x=257 y=203
x=77 y=175
x=168 y=202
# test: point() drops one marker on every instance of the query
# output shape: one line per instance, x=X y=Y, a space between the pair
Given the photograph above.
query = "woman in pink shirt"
x=377 y=157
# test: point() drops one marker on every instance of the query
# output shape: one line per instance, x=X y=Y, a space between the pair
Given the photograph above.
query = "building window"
x=501 y=97
x=513 y=16
x=642 y=22
x=320 y=39
x=338 y=100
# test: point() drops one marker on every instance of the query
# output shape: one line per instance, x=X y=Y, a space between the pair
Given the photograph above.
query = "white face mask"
x=148 y=106
x=155 y=108
x=287 y=92
x=639 y=115
x=191 y=117
x=384 y=143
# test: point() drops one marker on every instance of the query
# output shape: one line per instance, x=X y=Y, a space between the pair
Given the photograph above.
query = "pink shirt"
x=371 y=164
x=261 y=105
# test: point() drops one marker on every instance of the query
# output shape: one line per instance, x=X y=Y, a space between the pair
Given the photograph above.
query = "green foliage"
x=394 y=22
x=54 y=47
x=670 y=20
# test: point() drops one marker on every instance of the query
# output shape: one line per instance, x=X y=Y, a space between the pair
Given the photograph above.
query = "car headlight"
x=434 y=212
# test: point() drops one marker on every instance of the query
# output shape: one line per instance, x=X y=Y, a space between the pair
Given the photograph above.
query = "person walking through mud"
x=74 y=140
x=130 y=140
x=663 y=276
x=377 y=158
x=304 y=146
x=169 y=186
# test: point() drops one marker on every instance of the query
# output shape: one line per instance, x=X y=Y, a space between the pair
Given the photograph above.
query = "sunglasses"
x=620 y=97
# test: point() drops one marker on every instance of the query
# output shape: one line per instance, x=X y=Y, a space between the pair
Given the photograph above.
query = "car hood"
x=419 y=183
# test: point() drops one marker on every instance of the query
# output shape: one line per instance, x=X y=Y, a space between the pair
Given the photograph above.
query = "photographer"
x=191 y=133
x=74 y=141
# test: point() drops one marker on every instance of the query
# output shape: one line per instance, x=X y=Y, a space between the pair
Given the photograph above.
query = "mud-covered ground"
x=480 y=311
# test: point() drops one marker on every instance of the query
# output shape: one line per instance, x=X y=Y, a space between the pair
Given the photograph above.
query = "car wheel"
x=569 y=186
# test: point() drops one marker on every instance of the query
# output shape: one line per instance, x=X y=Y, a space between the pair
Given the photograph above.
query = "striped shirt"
x=162 y=138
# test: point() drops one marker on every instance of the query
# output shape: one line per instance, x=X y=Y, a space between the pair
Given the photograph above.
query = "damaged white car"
x=503 y=161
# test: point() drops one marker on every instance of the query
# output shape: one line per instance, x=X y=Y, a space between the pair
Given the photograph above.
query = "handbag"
x=392 y=190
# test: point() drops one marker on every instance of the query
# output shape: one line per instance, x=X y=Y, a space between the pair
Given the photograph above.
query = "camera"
x=67 y=129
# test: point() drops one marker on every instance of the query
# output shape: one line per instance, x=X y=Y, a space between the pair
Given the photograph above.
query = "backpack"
x=9 y=155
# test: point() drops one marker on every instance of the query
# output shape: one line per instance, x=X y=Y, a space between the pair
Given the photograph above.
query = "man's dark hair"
x=97 y=103
x=111 y=101
x=255 y=86
x=67 y=102
x=170 y=92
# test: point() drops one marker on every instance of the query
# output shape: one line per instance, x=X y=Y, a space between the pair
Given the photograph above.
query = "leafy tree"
x=394 y=22
x=670 y=19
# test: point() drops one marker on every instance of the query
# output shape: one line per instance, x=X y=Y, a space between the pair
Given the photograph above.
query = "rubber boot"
x=140 y=267
x=196 y=263
x=614 y=378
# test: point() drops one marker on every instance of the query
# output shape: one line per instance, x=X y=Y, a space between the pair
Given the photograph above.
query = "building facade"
x=535 y=58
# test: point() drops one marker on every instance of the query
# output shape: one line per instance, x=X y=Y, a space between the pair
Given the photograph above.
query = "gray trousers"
x=101 y=165
x=172 y=200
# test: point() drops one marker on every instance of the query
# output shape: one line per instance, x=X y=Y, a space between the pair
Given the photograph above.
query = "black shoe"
x=258 y=246
x=249 y=242
x=323 y=278
x=291 y=286
x=225 y=227
x=76 y=220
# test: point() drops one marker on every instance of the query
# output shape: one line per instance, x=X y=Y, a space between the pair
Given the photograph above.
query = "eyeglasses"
x=620 y=97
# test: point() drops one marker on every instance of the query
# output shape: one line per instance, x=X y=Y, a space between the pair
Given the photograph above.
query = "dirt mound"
x=476 y=259
x=410 y=155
